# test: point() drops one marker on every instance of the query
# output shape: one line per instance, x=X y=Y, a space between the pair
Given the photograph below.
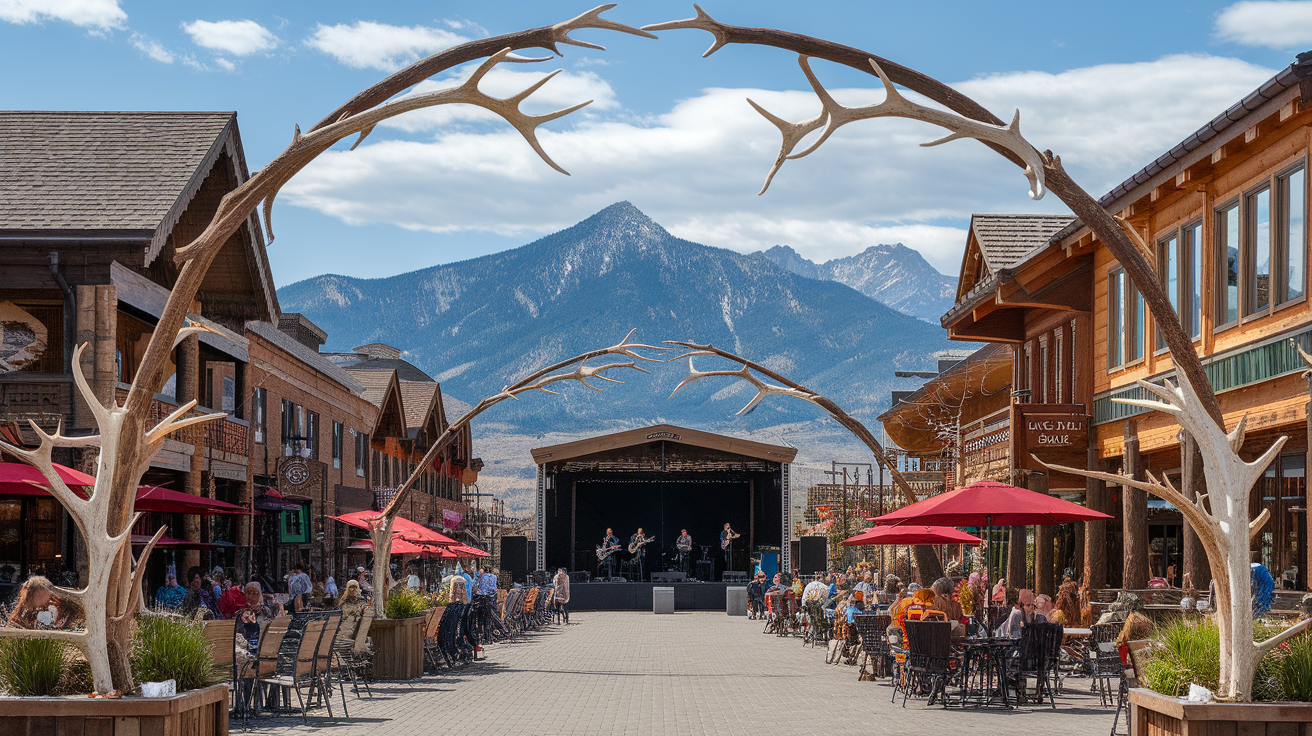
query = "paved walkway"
x=682 y=675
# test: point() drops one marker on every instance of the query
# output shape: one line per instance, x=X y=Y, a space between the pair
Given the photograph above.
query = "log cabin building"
x=90 y=214
x=1223 y=218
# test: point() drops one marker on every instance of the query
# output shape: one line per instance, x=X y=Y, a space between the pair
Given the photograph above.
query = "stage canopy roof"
x=662 y=433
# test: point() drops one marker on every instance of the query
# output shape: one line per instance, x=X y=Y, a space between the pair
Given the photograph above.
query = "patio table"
x=984 y=671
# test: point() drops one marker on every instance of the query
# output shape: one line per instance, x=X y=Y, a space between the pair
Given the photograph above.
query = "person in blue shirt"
x=170 y=594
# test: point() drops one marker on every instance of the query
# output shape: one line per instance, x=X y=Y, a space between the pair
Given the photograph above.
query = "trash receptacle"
x=735 y=600
x=662 y=600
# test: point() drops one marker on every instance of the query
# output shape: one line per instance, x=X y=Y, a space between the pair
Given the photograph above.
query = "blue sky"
x=1109 y=86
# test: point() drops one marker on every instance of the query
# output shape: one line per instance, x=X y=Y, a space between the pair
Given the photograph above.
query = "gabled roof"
x=382 y=389
x=665 y=433
x=307 y=356
x=1005 y=239
x=419 y=399
x=101 y=170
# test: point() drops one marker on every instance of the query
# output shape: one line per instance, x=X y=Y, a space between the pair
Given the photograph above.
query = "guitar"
x=732 y=536
x=604 y=552
x=637 y=545
x=682 y=546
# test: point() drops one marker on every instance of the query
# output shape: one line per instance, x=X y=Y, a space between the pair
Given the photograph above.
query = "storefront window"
x=1282 y=543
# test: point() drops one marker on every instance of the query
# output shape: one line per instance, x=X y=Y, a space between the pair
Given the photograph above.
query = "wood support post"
x=1016 y=557
x=1043 y=543
x=1095 y=532
x=187 y=388
x=106 y=344
x=1134 y=519
x=1192 y=483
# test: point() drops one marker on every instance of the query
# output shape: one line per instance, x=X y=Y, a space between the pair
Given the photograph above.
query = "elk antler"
x=834 y=116
x=763 y=389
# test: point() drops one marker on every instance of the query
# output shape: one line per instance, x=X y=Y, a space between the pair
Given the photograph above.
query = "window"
x=312 y=427
x=261 y=399
x=1291 y=201
x=1257 y=263
x=229 y=399
x=1025 y=373
x=361 y=453
x=288 y=425
x=1059 y=379
x=1124 y=320
x=295 y=527
x=337 y=444
x=1043 y=369
x=1227 y=261
x=1180 y=268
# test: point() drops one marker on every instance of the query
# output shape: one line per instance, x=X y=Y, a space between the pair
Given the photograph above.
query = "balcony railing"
x=230 y=434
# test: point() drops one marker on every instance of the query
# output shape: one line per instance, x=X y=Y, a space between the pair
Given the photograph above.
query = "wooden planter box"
x=200 y=712
x=398 y=648
x=1154 y=714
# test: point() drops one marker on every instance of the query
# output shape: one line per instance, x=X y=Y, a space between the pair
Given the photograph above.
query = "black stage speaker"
x=812 y=555
x=668 y=577
x=514 y=558
x=580 y=576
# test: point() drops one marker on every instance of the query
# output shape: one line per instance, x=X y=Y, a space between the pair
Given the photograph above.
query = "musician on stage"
x=637 y=544
x=610 y=543
x=726 y=543
x=684 y=546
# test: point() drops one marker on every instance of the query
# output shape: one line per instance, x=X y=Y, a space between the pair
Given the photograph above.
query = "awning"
x=401 y=527
x=141 y=540
x=21 y=479
x=154 y=498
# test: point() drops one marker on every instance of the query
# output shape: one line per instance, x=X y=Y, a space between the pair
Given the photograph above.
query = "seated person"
x=1043 y=605
x=944 y=602
x=1022 y=614
x=38 y=607
x=170 y=594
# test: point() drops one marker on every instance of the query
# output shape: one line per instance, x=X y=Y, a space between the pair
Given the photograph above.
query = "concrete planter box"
x=398 y=648
x=200 y=712
x=1154 y=714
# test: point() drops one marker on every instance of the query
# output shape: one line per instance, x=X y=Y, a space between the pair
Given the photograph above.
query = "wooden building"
x=92 y=207
x=1223 y=217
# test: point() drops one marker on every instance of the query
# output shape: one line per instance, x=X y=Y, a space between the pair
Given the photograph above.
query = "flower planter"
x=398 y=648
x=201 y=712
x=1154 y=714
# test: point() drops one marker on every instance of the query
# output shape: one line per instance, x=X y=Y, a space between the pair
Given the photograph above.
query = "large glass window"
x=1115 y=317
x=1292 y=193
x=312 y=433
x=1191 y=318
x=1227 y=260
x=337 y=444
x=1257 y=281
x=1168 y=270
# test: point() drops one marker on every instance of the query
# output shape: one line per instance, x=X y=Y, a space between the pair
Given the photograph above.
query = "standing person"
x=362 y=579
x=638 y=544
x=726 y=543
x=561 y=583
x=330 y=590
x=683 y=545
x=756 y=596
x=298 y=586
x=609 y=544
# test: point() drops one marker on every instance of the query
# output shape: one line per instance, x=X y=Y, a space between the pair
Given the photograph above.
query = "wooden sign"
x=1056 y=430
x=22 y=338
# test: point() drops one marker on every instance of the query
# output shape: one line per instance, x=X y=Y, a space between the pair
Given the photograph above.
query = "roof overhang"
x=666 y=433
x=914 y=422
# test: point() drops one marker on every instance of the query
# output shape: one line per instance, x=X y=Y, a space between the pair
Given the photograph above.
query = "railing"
x=229 y=435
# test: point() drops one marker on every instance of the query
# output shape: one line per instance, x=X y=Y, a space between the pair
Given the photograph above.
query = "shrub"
x=172 y=648
x=1189 y=652
x=406 y=603
x=1294 y=670
x=31 y=667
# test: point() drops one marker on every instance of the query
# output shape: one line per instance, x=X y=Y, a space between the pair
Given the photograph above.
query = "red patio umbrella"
x=464 y=550
x=21 y=479
x=154 y=498
x=402 y=527
x=399 y=546
x=989 y=503
x=911 y=534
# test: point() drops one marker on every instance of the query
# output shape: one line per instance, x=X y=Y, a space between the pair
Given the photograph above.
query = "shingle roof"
x=1006 y=239
x=417 y=399
x=374 y=383
x=99 y=170
x=307 y=356
x=405 y=370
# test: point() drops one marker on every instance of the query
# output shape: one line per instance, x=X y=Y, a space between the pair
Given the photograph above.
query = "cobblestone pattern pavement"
x=685 y=674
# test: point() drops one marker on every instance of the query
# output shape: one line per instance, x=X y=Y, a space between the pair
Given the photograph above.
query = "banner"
x=451 y=519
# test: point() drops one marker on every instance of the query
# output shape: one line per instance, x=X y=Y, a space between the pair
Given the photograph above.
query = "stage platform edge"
x=594 y=596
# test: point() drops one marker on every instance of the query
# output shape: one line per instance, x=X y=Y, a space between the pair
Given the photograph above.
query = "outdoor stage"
x=637 y=596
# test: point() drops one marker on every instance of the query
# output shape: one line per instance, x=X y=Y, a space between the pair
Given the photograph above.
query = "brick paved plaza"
x=681 y=675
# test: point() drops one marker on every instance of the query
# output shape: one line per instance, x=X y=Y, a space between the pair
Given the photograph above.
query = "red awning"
x=989 y=503
x=21 y=479
x=464 y=550
x=911 y=534
x=399 y=546
x=154 y=498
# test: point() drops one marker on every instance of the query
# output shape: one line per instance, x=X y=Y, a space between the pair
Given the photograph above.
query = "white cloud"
x=368 y=45
x=236 y=37
x=697 y=167
x=1277 y=25
x=102 y=15
x=151 y=48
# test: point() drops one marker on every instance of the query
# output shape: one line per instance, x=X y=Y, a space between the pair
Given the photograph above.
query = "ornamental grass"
x=406 y=603
x=31 y=667
x=172 y=648
x=1187 y=652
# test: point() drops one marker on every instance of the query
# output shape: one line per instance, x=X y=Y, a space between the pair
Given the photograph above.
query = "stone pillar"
x=1095 y=532
x=1043 y=543
x=187 y=388
x=1192 y=483
x=1134 y=517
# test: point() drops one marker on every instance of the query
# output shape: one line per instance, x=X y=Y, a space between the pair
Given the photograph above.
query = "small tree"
x=127 y=444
